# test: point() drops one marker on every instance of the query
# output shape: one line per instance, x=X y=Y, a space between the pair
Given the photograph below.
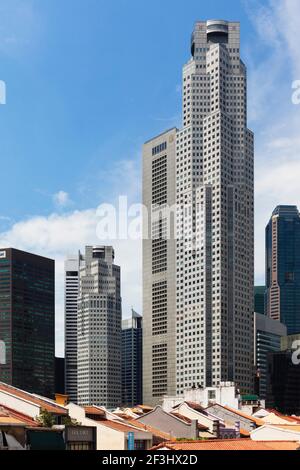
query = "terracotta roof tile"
x=15 y=417
x=45 y=404
x=234 y=445
x=118 y=426
x=195 y=406
x=287 y=427
x=292 y=419
x=94 y=410
x=257 y=421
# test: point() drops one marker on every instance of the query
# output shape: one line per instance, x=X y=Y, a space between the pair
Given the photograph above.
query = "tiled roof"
x=286 y=427
x=257 y=421
x=94 y=410
x=188 y=420
x=195 y=406
x=45 y=404
x=145 y=408
x=244 y=433
x=292 y=419
x=156 y=432
x=118 y=426
x=8 y=415
x=235 y=445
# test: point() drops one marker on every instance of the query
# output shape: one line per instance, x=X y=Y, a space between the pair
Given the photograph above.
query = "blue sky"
x=88 y=81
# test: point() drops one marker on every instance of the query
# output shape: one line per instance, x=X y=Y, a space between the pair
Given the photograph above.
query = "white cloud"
x=275 y=119
x=20 y=24
x=61 y=199
x=57 y=235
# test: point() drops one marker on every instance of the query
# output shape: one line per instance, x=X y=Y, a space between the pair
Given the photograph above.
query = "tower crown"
x=215 y=32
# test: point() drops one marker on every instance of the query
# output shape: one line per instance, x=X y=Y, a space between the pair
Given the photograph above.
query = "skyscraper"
x=206 y=168
x=99 y=329
x=259 y=299
x=27 y=321
x=267 y=338
x=72 y=266
x=283 y=267
x=284 y=377
x=132 y=360
x=159 y=270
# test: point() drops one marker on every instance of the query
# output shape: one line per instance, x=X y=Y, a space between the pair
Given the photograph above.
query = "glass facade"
x=27 y=321
x=283 y=384
x=132 y=353
x=259 y=299
x=283 y=267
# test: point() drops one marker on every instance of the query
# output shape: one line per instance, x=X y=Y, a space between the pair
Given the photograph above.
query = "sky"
x=88 y=81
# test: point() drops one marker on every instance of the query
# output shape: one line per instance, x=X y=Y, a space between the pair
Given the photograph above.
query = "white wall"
x=188 y=412
x=270 y=433
x=107 y=438
x=170 y=402
x=78 y=413
x=224 y=395
x=19 y=404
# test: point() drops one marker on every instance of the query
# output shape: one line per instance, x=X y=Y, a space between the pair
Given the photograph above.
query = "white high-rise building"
x=99 y=329
x=211 y=326
x=72 y=266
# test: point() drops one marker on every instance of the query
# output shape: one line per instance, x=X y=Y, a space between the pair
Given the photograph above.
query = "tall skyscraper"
x=159 y=269
x=72 y=266
x=27 y=321
x=206 y=168
x=99 y=329
x=132 y=360
x=283 y=267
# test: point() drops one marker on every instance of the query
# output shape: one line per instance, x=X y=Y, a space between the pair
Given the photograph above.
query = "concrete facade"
x=99 y=329
x=72 y=266
x=211 y=330
x=159 y=272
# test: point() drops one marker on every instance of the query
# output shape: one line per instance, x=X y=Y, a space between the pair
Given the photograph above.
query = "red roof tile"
x=234 y=445
x=44 y=404
x=119 y=426
x=16 y=415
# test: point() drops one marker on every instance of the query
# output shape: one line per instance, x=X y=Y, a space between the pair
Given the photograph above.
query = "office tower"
x=159 y=269
x=283 y=391
x=212 y=325
x=283 y=267
x=132 y=360
x=60 y=375
x=27 y=321
x=259 y=299
x=267 y=338
x=99 y=329
x=72 y=266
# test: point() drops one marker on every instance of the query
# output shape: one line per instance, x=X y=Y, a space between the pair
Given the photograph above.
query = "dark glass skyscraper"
x=132 y=356
x=283 y=267
x=27 y=321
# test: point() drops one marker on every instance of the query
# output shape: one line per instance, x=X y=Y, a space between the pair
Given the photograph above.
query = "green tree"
x=46 y=419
